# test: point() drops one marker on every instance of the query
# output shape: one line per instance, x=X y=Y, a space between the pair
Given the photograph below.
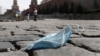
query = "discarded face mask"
x=54 y=40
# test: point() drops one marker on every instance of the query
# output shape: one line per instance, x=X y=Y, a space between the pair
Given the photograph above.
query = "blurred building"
x=44 y=1
x=15 y=7
x=69 y=6
x=10 y=14
x=32 y=6
x=30 y=10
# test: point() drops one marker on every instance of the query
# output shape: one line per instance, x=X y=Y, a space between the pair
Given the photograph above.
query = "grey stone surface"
x=77 y=31
x=9 y=28
x=23 y=44
x=92 y=44
x=32 y=28
x=27 y=26
x=65 y=51
x=35 y=33
x=60 y=27
x=16 y=53
x=18 y=31
x=25 y=32
x=19 y=38
x=75 y=36
x=5 y=45
x=91 y=33
x=4 y=33
x=92 y=27
x=51 y=32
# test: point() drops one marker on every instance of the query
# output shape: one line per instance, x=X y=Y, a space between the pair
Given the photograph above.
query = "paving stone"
x=1 y=28
x=5 y=45
x=46 y=26
x=65 y=51
x=76 y=31
x=92 y=27
x=91 y=33
x=47 y=29
x=92 y=44
x=16 y=53
x=9 y=28
x=51 y=32
x=24 y=26
x=4 y=33
x=75 y=36
x=23 y=44
x=32 y=28
x=35 y=33
x=59 y=27
x=23 y=32
x=18 y=31
x=19 y=38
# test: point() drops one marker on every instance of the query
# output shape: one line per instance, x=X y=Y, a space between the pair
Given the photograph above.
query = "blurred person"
x=35 y=14
x=28 y=17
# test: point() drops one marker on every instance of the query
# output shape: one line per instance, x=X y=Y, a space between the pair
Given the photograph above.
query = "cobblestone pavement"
x=84 y=41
